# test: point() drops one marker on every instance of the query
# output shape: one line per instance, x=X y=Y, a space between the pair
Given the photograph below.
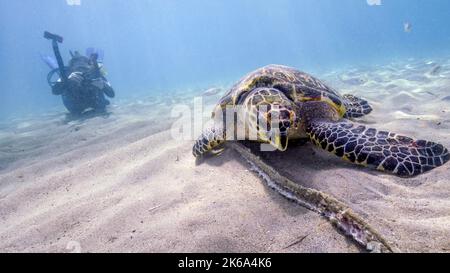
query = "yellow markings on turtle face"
x=262 y=136
x=278 y=144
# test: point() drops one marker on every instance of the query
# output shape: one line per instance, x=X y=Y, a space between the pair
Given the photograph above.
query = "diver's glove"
x=99 y=83
x=103 y=85
x=75 y=79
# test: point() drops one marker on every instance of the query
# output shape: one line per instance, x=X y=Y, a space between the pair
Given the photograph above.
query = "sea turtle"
x=298 y=106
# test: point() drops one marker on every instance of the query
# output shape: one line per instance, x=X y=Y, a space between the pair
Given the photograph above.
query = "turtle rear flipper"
x=382 y=150
x=356 y=107
x=210 y=141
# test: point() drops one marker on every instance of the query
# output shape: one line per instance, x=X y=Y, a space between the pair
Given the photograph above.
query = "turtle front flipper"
x=356 y=107
x=210 y=141
x=382 y=150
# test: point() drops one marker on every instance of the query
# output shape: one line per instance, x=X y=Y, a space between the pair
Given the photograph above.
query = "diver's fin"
x=210 y=141
x=356 y=107
x=382 y=150
x=50 y=61
x=89 y=51
x=100 y=53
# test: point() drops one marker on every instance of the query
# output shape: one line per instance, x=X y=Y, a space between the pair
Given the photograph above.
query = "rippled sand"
x=121 y=183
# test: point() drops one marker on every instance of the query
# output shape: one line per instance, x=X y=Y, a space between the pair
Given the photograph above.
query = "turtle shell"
x=296 y=85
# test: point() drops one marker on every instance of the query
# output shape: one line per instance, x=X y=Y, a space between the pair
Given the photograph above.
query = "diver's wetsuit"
x=85 y=88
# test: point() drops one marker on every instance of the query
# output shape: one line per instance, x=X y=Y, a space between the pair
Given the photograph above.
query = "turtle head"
x=278 y=120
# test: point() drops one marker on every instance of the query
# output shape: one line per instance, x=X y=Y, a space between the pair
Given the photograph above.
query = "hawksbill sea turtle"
x=299 y=106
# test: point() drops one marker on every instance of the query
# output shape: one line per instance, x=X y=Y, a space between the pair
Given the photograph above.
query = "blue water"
x=163 y=45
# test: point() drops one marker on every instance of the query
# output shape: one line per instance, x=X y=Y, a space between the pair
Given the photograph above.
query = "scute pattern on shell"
x=296 y=85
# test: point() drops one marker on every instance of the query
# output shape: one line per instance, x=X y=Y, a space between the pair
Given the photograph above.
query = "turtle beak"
x=280 y=140
x=279 y=122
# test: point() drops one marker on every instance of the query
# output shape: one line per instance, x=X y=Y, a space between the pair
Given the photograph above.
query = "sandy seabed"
x=121 y=183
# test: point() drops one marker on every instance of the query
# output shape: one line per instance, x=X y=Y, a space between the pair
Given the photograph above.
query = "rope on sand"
x=340 y=215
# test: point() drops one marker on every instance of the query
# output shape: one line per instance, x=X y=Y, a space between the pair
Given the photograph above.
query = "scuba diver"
x=82 y=84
